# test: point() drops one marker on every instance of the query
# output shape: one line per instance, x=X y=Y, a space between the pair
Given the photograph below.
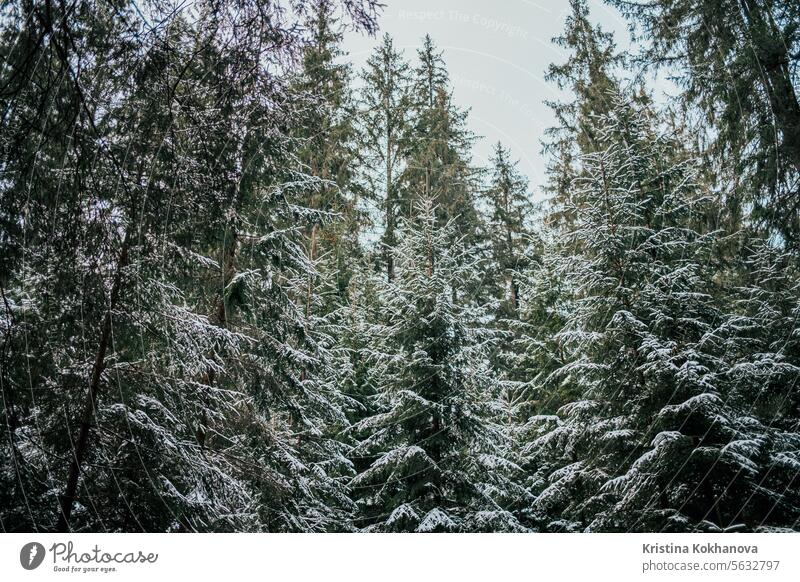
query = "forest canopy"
x=201 y=331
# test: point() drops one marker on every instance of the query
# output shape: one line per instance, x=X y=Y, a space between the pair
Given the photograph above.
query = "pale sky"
x=497 y=53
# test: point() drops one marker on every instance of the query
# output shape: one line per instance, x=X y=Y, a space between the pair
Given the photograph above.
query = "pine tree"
x=177 y=387
x=588 y=74
x=326 y=133
x=757 y=342
x=437 y=159
x=509 y=209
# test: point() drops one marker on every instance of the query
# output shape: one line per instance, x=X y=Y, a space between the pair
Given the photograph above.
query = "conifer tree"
x=509 y=209
x=169 y=393
x=588 y=74
x=437 y=159
x=653 y=440
x=757 y=343
x=326 y=153
x=436 y=464
x=385 y=111
x=737 y=63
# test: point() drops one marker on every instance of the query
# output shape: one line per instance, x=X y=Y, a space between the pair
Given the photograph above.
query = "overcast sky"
x=497 y=52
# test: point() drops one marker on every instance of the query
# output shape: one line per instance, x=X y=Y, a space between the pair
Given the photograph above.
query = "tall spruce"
x=385 y=111
x=438 y=154
x=326 y=133
x=510 y=210
x=588 y=75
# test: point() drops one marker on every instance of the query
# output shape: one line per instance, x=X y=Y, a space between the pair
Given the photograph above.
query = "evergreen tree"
x=509 y=208
x=385 y=110
x=588 y=74
x=757 y=342
x=654 y=440
x=326 y=153
x=437 y=159
x=736 y=61
x=165 y=379
x=436 y=464
x=196 y=335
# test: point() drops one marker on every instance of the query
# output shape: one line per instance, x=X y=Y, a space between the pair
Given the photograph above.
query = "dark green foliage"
x=436 y=460
x=437 y=158
x=385 y=114
x=238 y=293
x=508 y=224
x=169 y=383
x=659 y=437
x=737 y=64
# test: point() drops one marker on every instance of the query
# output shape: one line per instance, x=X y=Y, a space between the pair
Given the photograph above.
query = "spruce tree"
x=757 y=342
x=325 y=133
x=385 y=109
x=589 y=75
x=176 y=388
x=437 y=159
x=652 y=442
x=435 y=454
x=509 y=209
x=736 y=63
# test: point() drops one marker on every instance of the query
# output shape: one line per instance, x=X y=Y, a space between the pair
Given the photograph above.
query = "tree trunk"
x=220 y=317
x=775 y=77
x=389 y=241
x=81 y=444
x=312 y=249
x=512 y=293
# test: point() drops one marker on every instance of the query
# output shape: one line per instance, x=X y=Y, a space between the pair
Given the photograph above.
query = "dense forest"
x=247 y=287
